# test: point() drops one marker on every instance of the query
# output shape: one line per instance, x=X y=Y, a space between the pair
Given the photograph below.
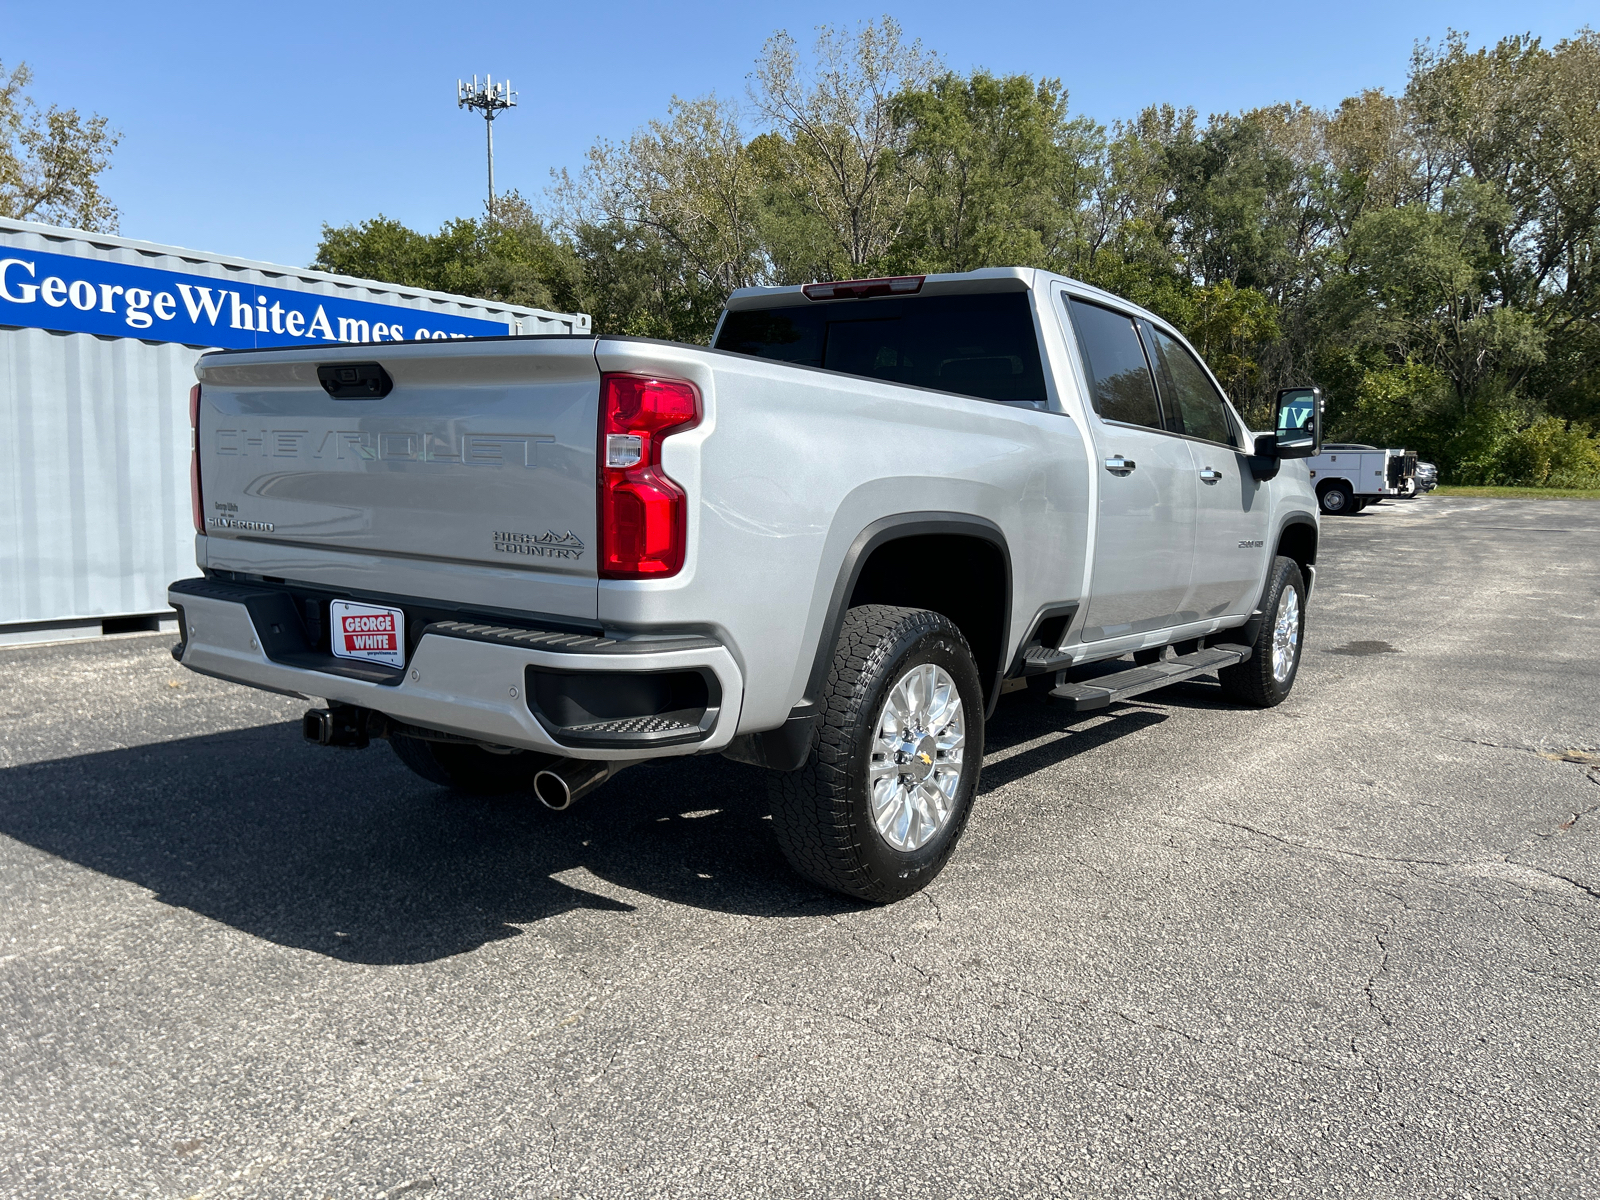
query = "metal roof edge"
x=64 y=233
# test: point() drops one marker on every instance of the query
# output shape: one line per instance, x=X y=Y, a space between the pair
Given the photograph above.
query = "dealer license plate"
x=368 y=632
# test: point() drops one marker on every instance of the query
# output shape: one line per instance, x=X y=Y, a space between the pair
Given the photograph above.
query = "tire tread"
x=811 y=806
x=1251 y=682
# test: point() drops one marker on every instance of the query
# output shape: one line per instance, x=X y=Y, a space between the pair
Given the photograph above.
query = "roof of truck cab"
x=988 y=279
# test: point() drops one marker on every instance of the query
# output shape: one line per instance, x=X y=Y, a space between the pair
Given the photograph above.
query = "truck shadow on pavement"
x=347 y=854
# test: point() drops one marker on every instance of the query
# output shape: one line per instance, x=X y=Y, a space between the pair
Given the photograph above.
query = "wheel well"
x=1299 y=542
x=969 y=583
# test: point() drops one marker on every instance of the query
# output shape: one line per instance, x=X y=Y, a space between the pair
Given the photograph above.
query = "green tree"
x=512 y=258
x=689 y=182
x=1520 y=124
x=999 y=174
x=51 y=161
x=635 y=283
x=835 y=164
x=1422 y=284
x=1429 y=257
x=1231 y=327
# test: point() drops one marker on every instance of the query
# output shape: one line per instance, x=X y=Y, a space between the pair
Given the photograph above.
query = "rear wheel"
x=1265 y=680
x=1336 y=498
x=878 y=806
x=470 y=769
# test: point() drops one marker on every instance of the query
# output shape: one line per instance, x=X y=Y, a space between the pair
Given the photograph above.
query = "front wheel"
x=1265 y=680
x=878 y=806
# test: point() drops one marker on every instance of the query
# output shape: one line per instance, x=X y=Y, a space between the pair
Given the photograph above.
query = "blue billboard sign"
x=71 y=294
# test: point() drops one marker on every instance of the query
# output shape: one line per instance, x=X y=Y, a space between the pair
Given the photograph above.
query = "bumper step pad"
x=1123 y=685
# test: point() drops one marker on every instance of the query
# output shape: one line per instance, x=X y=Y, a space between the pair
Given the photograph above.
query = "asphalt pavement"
x=1343 y=947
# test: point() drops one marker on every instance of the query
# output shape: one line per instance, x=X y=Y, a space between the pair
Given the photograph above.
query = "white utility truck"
x=1348 y=477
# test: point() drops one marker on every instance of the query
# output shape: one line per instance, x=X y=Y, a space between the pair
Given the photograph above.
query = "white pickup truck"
x=826 y=545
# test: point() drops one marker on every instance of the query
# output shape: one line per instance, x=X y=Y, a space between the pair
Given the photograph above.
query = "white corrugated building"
x=98 y=340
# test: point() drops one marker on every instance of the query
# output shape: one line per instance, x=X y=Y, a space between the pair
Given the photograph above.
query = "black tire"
x=1254 y=682
x=822 y=813
x=1336 y=498
x=469 y=769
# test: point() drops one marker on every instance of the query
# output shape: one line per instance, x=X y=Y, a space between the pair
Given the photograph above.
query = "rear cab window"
x=981 y=345
x=1120 y=384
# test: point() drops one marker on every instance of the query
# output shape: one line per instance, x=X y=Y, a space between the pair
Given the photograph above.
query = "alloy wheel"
x=1286 y=634
x=917 y=753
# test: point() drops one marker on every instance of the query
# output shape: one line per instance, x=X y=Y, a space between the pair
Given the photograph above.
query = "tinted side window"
x=1191 y=400
x=1119 y=377
x=980 y=345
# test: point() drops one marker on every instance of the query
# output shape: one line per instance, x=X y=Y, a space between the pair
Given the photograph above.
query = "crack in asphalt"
x=1580 y=814
x=1592 y=893
x=1336 y=850
x=1580 y=756
x=1198 y=1040
x=871 y=949
x=1372 y=981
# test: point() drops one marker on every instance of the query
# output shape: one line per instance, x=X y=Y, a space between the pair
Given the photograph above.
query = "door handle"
x=1210 y=476
x=1118 y=465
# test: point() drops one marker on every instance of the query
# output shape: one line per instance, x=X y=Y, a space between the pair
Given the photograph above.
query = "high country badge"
x=548 y=544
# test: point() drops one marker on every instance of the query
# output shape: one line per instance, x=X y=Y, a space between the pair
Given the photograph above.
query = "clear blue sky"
x=245 y=127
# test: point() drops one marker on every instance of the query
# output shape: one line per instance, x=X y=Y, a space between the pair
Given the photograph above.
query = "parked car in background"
x=1427 y=478
x=1349 y=476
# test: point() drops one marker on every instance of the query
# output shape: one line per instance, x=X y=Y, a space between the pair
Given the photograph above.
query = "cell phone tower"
x=491 y=99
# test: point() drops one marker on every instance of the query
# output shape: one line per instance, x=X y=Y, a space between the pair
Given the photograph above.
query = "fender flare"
x=786 y=747
x=1251 y=629
x=888 y=529
x=1297 y=518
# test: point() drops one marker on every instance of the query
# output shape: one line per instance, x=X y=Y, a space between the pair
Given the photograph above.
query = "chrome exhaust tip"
x=564 y=783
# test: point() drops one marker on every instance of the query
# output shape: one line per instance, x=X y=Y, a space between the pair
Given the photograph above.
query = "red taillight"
x=643 y=513
x=194 y=460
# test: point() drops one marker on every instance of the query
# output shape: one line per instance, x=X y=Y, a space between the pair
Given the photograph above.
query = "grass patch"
x=1519 y=493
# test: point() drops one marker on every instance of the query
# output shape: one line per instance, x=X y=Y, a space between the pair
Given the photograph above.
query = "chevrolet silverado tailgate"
x=474 y=454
